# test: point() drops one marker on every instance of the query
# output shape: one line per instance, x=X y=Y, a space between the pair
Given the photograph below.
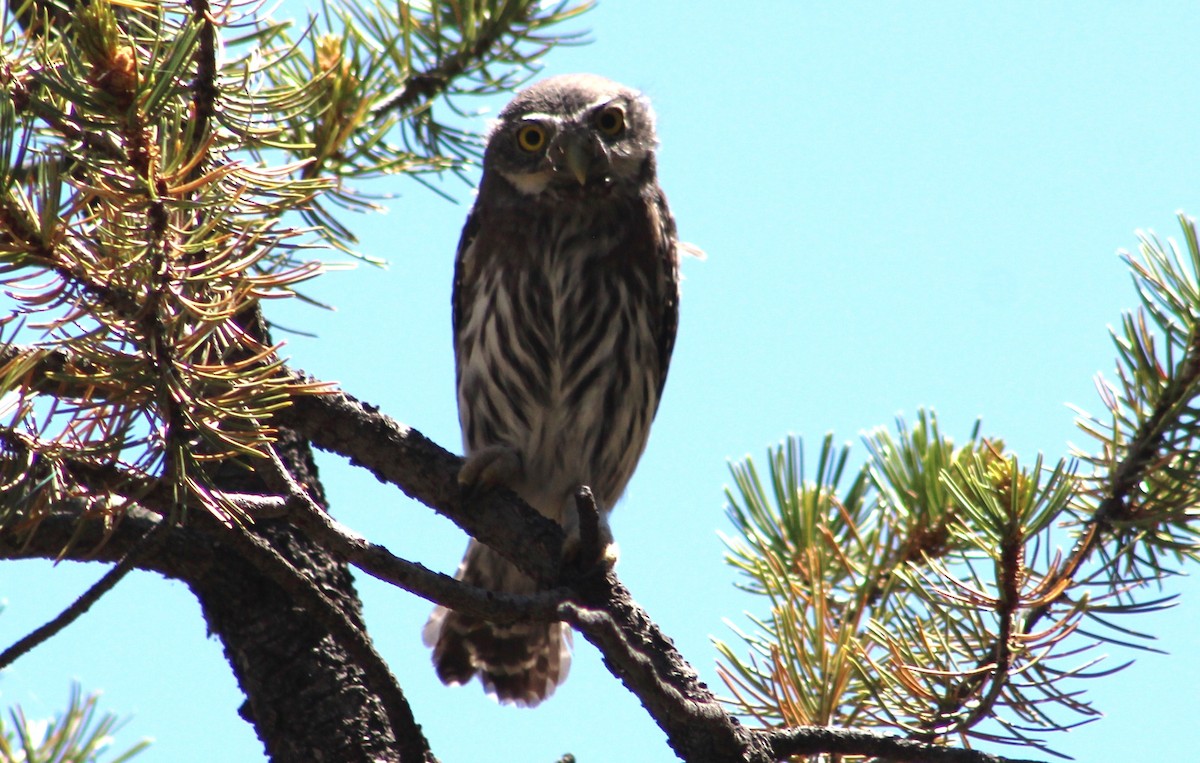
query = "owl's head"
x=571 y=134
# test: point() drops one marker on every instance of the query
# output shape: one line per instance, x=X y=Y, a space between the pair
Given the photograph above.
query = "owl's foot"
x=489 y=467
x=589 y=538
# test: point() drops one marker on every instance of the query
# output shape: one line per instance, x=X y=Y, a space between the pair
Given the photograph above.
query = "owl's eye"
x=611 y=121
x=531 y=138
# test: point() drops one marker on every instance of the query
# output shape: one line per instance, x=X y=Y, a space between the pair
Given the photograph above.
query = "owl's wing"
x=459 y=297
x=666 y=255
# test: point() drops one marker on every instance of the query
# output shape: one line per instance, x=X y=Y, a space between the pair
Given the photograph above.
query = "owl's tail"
x=518 y=663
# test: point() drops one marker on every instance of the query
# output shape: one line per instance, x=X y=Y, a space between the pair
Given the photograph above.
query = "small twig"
x=425 y=86
x=203 y=88
x=85 y=601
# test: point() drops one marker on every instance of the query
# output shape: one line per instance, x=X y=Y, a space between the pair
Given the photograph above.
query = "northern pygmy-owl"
x=566 y=300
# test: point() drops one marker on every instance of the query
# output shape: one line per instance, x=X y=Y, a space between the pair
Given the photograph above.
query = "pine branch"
x=433 y=82
x=75 y=735
x=392 y=452
x=878 y=616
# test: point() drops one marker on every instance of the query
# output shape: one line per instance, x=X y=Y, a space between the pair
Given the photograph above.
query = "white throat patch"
x=529 y=183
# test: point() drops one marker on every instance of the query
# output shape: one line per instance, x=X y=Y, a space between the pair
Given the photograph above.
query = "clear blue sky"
x=903 y=206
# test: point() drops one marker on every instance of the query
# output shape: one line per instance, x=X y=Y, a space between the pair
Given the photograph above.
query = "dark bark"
x=425 y=471
x=291 y=624
x=634 y=650
x=306 y=698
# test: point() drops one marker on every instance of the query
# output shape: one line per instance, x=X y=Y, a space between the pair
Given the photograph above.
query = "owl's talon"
x=589 y=541
x=489 y=467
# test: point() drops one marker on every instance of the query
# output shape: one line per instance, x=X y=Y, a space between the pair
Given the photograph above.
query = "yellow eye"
x=531 y=138
x=611 y=121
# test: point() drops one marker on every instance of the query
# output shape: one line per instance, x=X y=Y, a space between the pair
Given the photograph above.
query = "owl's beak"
x=575 y=154
x=578 y=160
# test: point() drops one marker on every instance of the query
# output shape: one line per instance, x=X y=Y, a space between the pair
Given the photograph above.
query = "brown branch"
x=181 y=554
x=249 y=547
x=378 y=562
x=135 y=489
x=382 y=564
x=425 y=471
x=393 y=452
x=634 y=650
x=814 y=740
x=204 y=88
x=425 y=86
x=697 y=726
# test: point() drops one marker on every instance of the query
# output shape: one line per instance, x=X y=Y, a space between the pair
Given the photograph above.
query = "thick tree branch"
x=297 y=507
x=182 y=553
x=698 y=729
x=427 y=472
x=380 y=563
x=393 y=452
x=326 y=612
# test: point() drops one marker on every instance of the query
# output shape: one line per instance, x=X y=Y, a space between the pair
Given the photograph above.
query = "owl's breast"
x=557 y=356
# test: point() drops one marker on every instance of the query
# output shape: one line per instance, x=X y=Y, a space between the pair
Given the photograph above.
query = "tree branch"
x=181 y=554
x=697 y=726
x=813 y=740
x=425 y=471
x=436 y=587
x=393 y=452
x=425 y=86
x=300 y=509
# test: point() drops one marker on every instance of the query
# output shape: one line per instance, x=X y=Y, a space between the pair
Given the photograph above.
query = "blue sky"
x=902 y=206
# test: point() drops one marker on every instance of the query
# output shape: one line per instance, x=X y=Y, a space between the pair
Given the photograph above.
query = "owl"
x=565 y=305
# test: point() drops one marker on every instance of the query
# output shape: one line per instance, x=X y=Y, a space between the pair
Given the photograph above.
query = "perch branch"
x=698 y=727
